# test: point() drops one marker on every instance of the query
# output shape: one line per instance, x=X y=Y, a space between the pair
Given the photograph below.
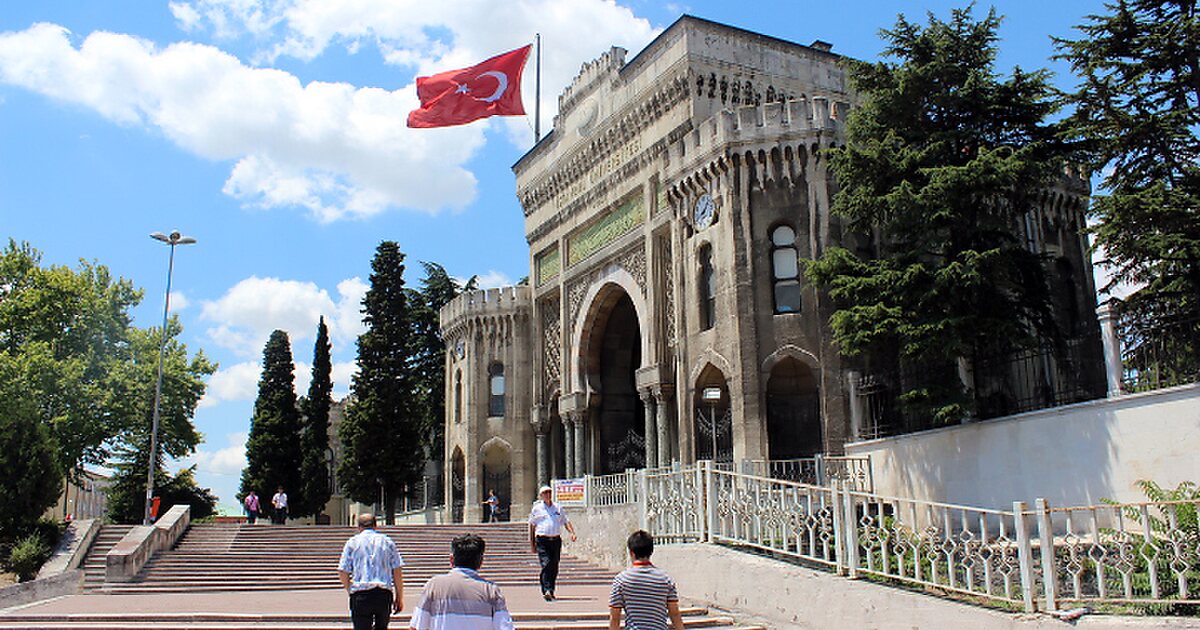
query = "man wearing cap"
x=546 y=522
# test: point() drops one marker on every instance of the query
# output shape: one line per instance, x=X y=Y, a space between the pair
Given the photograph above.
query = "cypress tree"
x=382 y=433
x=273 y=447
x=315 y=438
x=30 y=477
x=437 y=289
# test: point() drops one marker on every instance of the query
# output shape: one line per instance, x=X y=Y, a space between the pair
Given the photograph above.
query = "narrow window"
x=708 y=289
x=496 y=398
x=458 y=396
x=785 y=269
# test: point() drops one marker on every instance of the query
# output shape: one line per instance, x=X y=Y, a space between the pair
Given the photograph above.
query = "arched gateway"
x=667 y=217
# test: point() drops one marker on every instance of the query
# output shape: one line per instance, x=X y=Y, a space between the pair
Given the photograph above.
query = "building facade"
x=666 y=317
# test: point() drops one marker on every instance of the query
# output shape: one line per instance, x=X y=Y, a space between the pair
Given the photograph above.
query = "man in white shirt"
x=280 y=502
x=546 y=522
x=371 y=571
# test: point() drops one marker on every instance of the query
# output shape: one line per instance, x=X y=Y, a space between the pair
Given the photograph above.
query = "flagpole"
x=537 y=99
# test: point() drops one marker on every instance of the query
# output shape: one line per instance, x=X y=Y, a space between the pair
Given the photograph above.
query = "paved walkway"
x=526 y=599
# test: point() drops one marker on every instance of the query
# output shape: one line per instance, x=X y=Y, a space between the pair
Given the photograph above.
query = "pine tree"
x=273 y=447
x=382 y=433
x=315 y=437
x=942 y=157
x=437 y=289
x=1138 y=105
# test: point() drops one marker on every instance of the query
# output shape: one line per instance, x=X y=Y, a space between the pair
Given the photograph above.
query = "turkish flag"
x=457 y=97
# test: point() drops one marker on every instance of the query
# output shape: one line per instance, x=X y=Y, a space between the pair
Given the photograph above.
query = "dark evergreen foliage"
x=382 y=435
x=942 y=159
x=314 y=442
x=1138 y=107
x=437 y=289
x=30 y=477
x=273 y=455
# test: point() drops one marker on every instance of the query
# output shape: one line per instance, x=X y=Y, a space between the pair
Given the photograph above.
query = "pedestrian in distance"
x=546 y=522
x=493 y=503
x=643 y=592
x=461 y=599
x=252 y=507
x=280 y=503
x=371 y=571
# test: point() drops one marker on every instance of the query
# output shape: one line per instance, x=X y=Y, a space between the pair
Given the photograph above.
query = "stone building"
x=666 y=317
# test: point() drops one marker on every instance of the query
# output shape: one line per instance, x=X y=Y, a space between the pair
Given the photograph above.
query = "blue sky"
x=273 y=132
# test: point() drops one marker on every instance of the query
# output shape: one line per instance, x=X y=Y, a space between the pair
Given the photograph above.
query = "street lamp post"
x=174 y=239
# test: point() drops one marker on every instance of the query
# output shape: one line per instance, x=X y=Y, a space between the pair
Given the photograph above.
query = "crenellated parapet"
x=775 y=140
x=605 y=67
x=487 y=312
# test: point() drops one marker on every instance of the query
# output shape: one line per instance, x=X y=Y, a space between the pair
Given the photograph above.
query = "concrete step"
x=693 y=618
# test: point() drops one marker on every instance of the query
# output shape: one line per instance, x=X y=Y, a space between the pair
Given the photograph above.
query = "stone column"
x=663 y=396
x=569 y=444
x=651 y=428
x=581 y=468
x=543 y=471
x=1113 y=369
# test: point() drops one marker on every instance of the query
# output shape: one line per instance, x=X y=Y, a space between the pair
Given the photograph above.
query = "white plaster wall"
x=1074 y=455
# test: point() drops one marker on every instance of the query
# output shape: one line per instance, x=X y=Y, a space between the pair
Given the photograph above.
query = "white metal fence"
x=1044 y=557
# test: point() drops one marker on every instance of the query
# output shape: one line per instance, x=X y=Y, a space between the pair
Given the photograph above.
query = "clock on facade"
x=702 y=216
x=460 y=349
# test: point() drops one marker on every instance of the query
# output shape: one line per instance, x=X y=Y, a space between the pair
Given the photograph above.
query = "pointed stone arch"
x=605 y=291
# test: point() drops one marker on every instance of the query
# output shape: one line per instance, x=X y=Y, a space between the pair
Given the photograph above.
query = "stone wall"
x=602 y=533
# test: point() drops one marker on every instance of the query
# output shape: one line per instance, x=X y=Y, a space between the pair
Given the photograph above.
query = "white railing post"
x=1024 y=554
x=710 y=501
x=819 y=464
x=644 y=500
x=851 y=536
x=1111 y=342
x=587 y=490
x=839 y=534
x=630 y=488
x=1049 y=568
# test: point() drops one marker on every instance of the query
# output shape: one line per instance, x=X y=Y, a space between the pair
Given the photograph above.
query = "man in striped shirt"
x=644 y=592
x=460 y=599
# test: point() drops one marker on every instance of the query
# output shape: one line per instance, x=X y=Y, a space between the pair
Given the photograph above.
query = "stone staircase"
x=93 y=563
x=692 y=618
x=239 y=567
x=267 y=558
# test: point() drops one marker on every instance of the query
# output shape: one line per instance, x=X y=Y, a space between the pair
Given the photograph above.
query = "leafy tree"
x=437 y=289
x=273 y=455
x=68 y=328
x=1138 y=105
x=383 y=429
x=132 y=389
x=30 y=476
x=315 y=437
x=942 y=157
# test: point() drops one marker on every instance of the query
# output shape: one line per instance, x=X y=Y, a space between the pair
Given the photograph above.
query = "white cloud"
x=343 y=374
x=227 y=461
x=236 y=382
x=249 y=311
x=179 y=301
x=336 y=150
x=333 y=149
x=493 y=279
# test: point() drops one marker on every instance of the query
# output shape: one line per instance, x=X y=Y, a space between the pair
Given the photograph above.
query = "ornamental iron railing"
x=1144 y=554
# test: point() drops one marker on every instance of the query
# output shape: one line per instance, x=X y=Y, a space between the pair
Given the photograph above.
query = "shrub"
x=27 y=556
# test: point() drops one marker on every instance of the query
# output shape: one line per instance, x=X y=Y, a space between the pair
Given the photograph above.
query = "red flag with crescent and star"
x=457 y=97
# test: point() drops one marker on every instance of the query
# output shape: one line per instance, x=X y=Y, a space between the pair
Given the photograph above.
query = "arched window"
x=708 y=289
x=496 y=390
x=785 y=269
x=458 y=396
